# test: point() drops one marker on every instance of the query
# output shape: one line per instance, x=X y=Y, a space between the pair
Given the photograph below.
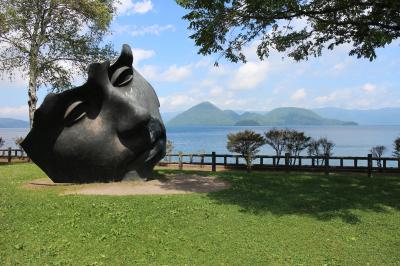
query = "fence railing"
x=366 y=164
x=12 y=154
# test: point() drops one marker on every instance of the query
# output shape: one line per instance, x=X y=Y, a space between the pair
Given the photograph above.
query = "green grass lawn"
x=264 y=218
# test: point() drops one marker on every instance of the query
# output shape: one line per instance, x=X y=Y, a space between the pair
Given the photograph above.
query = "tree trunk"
x=33 y=75
x=248 y=162
x=32 y=98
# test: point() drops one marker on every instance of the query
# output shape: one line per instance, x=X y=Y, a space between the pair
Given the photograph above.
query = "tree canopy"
x=246 y=143
x=52 y=41
x=301 y=28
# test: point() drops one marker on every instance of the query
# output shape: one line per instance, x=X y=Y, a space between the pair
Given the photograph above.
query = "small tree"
x=2 y=141
x=377 y=152
x=41 y=38
x=327 y=147
x=18 y=142
x=247 y=143
x=396 y=145
x=314 y=149
x=276 y=138
x=296 y=142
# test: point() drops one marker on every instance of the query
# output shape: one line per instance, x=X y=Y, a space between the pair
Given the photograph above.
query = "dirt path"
x=174 y=184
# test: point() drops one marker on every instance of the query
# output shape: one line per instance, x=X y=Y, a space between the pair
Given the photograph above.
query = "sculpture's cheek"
x=81 y=137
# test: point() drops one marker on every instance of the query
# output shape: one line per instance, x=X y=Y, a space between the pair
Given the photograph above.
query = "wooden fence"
x=12 y=154
x=366 y=164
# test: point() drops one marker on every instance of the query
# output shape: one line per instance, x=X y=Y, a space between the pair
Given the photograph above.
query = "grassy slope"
x=264 y=218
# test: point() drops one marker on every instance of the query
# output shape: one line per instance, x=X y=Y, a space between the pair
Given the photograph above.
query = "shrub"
x=377 y=152
x=247 y=143
x=276 y=138
x=396 y=145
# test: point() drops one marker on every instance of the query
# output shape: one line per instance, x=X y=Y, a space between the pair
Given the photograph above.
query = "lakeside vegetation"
x=265 y=217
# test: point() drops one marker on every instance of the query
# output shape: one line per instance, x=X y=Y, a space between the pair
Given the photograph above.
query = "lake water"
x=349 y=140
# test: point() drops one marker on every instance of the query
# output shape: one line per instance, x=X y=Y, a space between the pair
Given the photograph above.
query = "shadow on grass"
x=316 y=195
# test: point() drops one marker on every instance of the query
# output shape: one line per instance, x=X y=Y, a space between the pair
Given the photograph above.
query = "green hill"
x=298 y=116
x=207 y=114
x=13 y=123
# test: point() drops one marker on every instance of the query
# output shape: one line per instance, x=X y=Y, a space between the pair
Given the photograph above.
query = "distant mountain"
x=166 y=116
x=208 y=114
x=384 y=116
x=203 y=114
x=299 y=116
x=13 y=123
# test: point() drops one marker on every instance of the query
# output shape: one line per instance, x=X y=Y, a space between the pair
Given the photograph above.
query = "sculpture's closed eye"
x=75 y=112
x=121 y=76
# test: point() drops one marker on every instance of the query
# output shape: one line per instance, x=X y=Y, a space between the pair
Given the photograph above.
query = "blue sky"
x=168 y=58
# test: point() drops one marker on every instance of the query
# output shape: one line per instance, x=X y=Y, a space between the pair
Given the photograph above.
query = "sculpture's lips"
x=156 y=143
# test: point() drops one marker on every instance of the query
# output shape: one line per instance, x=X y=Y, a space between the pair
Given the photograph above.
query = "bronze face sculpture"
x=102 y=130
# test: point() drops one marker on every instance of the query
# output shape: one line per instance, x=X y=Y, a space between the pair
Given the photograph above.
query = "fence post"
x=287 y=160
x=369 y=165
x=237 y=160
x=327 y=165
x=225 y=160
x=261 y=161
x=213 y=165
x=180 y=161
x=9 y=155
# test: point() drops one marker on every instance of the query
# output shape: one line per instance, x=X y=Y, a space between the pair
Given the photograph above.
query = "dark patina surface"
x=100 y=131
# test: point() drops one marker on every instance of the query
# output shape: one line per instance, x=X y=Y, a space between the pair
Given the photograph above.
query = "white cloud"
x=128 y=7
x=173 y=73
x=149 y=72
x=369 y=88
x=250 y=75
x=136 y=31
x=216 y=91
x=152 y=30
x=142 y=7
x=339 y=67
x=333 y=97
x=176 y=102
x=299 y=95
x=357 y=97
x=220 y=70
x=141 y=54
x=203 y=62
x=20 y=112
